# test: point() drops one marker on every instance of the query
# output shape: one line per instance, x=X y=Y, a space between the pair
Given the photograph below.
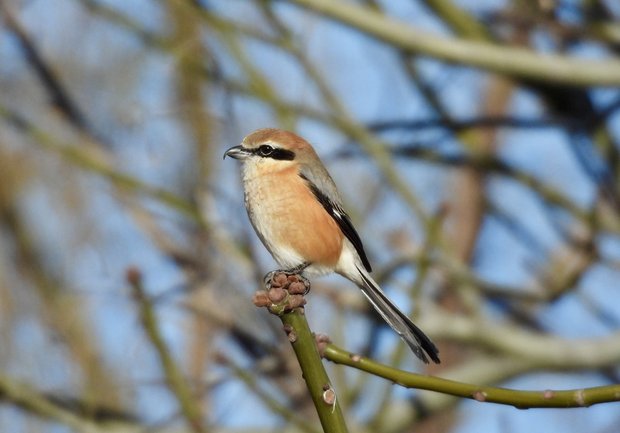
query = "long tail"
x=419 y=343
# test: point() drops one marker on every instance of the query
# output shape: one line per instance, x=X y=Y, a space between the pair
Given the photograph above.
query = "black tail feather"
x=419 y=343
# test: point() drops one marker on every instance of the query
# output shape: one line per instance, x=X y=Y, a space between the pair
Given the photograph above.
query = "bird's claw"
x=291 y=280
x=285 y=290
x=268 y=279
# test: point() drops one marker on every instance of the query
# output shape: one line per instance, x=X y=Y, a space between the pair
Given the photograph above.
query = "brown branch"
x=58 y=95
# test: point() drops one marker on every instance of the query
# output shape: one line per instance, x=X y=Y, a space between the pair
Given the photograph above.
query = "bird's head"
x=273 y=147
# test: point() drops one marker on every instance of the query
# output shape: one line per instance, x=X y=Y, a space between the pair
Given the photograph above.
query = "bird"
x=296 y=210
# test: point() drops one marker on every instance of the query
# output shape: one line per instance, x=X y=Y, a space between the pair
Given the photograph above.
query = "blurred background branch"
x=476 y=145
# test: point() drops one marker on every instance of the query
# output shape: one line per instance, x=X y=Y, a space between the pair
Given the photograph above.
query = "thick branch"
x=508 y=60
x=283 y=299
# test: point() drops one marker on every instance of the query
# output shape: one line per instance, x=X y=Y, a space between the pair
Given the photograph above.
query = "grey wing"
x=324 y=189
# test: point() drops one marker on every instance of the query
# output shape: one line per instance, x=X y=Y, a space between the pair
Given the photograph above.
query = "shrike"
x=296 y=210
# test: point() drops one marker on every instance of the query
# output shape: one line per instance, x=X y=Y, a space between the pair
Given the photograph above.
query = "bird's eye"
x=265 y=150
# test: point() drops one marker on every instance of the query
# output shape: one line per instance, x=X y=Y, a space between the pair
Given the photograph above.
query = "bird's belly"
x=292 y=225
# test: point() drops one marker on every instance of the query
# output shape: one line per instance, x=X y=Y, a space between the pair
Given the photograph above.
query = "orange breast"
x=292 y=224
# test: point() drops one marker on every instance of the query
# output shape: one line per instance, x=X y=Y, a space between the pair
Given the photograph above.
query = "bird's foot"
x=285 y=290
x=291 y=276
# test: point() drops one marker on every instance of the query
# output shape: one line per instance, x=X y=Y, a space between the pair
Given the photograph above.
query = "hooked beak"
x=237 y=152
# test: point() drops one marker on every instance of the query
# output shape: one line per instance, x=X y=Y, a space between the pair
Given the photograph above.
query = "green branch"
x=317 y=381
x=285 y=299
x=521 y=399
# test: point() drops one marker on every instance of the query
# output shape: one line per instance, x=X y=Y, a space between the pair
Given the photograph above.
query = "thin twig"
x=583 y=397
